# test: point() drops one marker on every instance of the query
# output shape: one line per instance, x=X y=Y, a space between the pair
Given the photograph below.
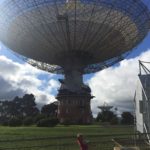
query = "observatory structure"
x=105 y=107
x=142 y=100
x=73 y=38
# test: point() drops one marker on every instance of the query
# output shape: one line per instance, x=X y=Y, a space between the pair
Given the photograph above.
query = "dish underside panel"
x=50 y=32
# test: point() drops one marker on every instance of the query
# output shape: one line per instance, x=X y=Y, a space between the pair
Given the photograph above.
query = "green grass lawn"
x=56 y=138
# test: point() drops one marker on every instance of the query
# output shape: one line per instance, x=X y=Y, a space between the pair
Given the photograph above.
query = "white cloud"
x=116 y=85
x=53 y=86
x=17 y=79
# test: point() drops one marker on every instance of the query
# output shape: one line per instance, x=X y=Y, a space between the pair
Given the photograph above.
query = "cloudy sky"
x=18 y=78
x=115 y=85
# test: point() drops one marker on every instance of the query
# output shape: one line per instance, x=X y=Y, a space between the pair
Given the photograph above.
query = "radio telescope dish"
x=73 y=37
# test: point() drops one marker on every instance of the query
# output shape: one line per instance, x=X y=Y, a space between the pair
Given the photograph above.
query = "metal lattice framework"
x=90 y=35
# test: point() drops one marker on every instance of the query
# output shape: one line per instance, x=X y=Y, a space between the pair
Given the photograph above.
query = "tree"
x=18 y=108
x=49 y=110
x=105 y=116
x=6 y=108
x=28 y=106
x=127 y=118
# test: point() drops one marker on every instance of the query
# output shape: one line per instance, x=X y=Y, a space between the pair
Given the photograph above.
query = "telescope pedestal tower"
x=74 y=99
x=74 y=108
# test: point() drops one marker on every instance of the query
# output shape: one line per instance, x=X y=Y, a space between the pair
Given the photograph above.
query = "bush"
x=14 y=122
x=127 y=118
x=66 y=122
x=114 y=121
x=47 y=122
x=39 y=117
x=4 y=121
x=28 y=121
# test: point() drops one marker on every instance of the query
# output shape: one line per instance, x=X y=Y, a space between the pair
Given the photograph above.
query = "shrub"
x=114 y=121
x=28 y=121
x=4 y=121
x=127 y=118
x=49 y=122
x=66 y=122
x=39 y=117
x=14 y=122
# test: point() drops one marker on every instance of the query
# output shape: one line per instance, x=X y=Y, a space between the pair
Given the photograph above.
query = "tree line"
x=110 y=117
x=24 y=111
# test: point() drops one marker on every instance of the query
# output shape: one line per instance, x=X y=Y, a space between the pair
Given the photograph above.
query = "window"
x=141 y=106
